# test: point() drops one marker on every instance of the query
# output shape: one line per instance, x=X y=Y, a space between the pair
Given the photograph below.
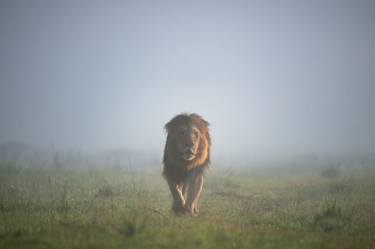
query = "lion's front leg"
x=194 y=190
x=177 y=195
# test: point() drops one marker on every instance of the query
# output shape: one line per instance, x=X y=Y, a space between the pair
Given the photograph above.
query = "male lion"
x=186 y=156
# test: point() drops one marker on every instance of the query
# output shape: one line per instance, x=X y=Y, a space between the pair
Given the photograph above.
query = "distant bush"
x=332 y=171
x=105 y=191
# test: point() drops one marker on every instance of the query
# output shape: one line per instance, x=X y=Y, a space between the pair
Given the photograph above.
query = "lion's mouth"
x=188 y=156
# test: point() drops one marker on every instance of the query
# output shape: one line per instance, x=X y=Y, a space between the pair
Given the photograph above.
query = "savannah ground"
x=284 y=207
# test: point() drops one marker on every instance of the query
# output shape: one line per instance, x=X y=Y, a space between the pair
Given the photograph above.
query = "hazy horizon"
x=278 y=79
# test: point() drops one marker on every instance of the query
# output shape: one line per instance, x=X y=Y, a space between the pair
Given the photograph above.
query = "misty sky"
x=271 y=77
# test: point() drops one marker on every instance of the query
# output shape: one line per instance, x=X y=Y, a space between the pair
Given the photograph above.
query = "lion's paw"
x=191 y=210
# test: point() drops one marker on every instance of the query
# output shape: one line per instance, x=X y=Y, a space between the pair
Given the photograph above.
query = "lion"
x=186 y=157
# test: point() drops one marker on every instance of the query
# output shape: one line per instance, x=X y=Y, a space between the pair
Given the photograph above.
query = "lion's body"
x=186 y=156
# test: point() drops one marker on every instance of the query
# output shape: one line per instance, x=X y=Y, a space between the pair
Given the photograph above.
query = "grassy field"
x=254 y=208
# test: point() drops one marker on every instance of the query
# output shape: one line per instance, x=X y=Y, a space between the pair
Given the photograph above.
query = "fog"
x=275 y=79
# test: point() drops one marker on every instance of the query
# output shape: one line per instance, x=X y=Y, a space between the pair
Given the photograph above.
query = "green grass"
x=255 y=208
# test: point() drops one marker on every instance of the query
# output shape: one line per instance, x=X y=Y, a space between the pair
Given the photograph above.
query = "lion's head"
x=188 y=139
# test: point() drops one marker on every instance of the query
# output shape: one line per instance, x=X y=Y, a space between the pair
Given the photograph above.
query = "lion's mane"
x=175 y=168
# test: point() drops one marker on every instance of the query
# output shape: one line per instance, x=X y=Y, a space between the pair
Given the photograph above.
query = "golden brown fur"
x=186 y=156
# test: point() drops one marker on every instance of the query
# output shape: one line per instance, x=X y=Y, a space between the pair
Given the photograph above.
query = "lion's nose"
x=188 y=145
x=189 y=150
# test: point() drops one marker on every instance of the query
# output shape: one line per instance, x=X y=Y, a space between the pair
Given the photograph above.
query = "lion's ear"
x=177 y=120
x=168 y=126
x=171 y=124
x=205 y=122
x=199 y=119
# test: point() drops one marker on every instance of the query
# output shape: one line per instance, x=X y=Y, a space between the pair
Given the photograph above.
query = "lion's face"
x=187 y=141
